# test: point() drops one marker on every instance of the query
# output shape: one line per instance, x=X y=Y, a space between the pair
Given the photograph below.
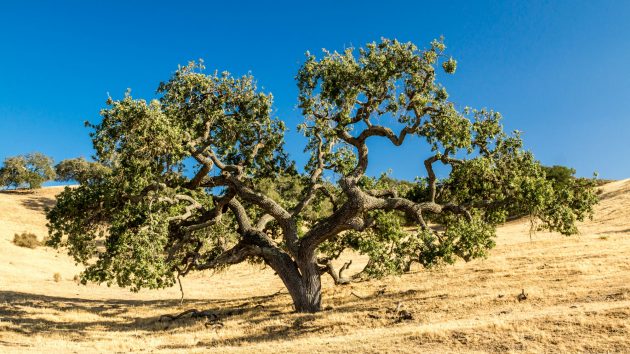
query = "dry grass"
x=578 y=299
x=26 y=239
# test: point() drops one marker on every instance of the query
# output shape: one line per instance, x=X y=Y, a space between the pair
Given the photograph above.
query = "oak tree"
x=80 y=170
x=199 y=178
x=29 y=171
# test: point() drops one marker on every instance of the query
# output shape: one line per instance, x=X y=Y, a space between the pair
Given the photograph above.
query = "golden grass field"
x=578 y=299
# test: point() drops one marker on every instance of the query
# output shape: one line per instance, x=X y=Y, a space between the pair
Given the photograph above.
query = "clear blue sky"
x=558 y=70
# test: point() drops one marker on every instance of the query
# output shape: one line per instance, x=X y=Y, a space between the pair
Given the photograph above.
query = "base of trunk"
x=307 y=296
x=307 y=308
x=303 y=282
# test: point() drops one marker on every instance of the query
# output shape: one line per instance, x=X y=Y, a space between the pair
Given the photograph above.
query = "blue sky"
x=557 y=70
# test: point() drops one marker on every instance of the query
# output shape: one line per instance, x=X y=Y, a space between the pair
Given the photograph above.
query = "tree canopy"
x=29 y=170
x=199 y=177
x=80 y=170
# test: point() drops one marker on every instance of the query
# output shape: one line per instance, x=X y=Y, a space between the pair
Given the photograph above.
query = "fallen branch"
x=337 y=275
x=194 y=313
x=209 y=314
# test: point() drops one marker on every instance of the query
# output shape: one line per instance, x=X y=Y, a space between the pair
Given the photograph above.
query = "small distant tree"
x=560 y=175
x=80 y=170
x=27 y=170
x=161 y=216
x=13 y=171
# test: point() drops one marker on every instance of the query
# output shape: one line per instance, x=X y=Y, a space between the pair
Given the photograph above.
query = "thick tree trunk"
x=306 y=298
x=306 y=289
x=303 y=281
x=310 y=295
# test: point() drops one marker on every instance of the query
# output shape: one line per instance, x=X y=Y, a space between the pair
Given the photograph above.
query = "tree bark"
x=307 y=295
x=302 y=279
x=310 y=299
x=305 y=291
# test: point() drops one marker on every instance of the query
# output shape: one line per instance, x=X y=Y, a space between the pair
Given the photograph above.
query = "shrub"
x=26 y=239
x=57 y=277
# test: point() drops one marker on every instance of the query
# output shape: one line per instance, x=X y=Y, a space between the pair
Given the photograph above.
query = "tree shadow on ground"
x=20 y=191
x=612 y=194
x=614 y=231
x=296 y=325
x=24 y=311
x=31 y=314
x=38 y=203
x=300 y=326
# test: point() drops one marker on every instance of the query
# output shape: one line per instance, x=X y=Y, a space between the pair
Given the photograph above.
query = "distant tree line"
x=30 y=171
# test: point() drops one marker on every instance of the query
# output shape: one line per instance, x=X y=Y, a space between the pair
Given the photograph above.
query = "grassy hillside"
x=577 y=299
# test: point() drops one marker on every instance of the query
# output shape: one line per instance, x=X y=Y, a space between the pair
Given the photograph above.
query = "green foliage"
x=494 y=180
x=386 y=183
x=572 y=201
x=26 y=170
x=26 y=239
x=134 y=233
x=559 y=175
x=80 y=170
x=507 y=182
x=390 y=247
x=130 y=208
x=198 y=178
x=450 y=66
x=242 y=130
x=465 y=239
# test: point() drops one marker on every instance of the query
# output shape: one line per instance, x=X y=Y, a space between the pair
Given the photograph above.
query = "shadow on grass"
x=19 y=191
x=38 y=203
x=24 y=312
x=612 y=194
x=31 y=314
x=30 y=199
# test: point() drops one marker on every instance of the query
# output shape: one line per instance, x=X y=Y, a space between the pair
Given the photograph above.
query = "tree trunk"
x=310 y=296
x=306 y=290
x=303 y=281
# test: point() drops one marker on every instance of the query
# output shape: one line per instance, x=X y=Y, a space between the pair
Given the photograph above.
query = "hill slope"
x=578 y=299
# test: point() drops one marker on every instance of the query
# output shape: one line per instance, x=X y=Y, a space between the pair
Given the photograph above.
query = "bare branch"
x=263 y=221
x=211 y=216
x=214 y=181
x=330 y=197
x=235 y=255
x=201 y=174
x=415 y=210
x=382 y=193
x=428 y=164
x=194 y=205
x=228 y=168
x=315 y=175
x=240 y=214
x=337 y=275
x=328 y=227
x=271 y=207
